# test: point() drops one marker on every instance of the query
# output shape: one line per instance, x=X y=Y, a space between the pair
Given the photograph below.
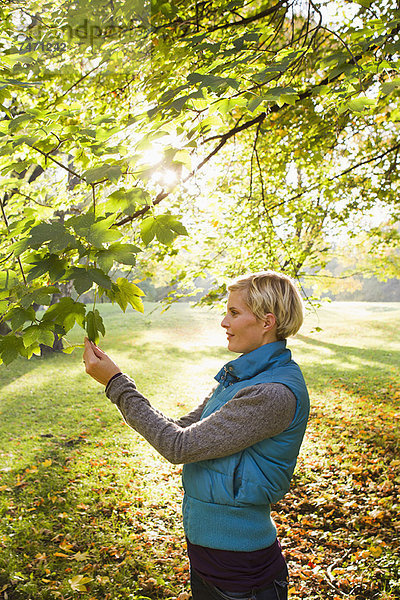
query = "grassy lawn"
x=90 y=511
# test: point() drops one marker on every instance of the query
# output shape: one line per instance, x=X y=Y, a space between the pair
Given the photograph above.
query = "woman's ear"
x=269 y=321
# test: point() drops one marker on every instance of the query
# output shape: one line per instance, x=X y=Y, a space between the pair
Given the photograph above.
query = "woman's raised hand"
x=98 y=364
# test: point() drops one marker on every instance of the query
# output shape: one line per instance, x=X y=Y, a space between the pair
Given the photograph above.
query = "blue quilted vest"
x=227 y=500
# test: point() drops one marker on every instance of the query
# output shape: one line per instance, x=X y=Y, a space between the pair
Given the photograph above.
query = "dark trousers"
x=202 y=590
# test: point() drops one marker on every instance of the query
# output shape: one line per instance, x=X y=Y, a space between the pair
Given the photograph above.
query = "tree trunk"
x=65 y=290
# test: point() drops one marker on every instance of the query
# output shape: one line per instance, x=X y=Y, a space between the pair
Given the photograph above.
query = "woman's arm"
x=104 y=370
x=254 y=413
x=195 y=414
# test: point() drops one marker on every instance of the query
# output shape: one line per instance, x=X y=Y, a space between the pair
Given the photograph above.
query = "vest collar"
x=252 y=363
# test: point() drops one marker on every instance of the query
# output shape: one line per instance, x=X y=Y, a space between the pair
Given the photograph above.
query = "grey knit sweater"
x=253 y=414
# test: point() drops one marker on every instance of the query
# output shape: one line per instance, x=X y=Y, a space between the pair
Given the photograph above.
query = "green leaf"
x=148 y=229
x=16 y=123
x=18 y=316
x=365 y=3
x=20 y=246
x=24 y=139
x=84 y=278
x=124 y=292
x=182 y=157
x=99 y=277
x=37 y=334
x=360 y=103
x=124 y=253
x=105 y=259
x=164 y=227
x=3 y=306
x=10 y=347
x=106 y=171
x=255 y=103
x=126 y=201
x=213 y=81
x=28 y=351
x=390 y=86
x=164 y=234
x=93 y=325
x=41 y=295
x=70 y=349
x=7 y=279
x=81 y=278
x=95 y=230
x=50 y=264
x=54 y=233
x=65 y=313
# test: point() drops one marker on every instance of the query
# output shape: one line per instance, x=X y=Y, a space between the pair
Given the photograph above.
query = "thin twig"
x=13 y=240
x=47 y=155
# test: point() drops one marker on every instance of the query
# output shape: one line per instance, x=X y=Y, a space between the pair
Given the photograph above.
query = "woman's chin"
x=232 y=346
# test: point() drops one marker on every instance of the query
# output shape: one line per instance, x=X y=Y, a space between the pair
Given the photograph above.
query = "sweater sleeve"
x=253 y=414
x=195 y=414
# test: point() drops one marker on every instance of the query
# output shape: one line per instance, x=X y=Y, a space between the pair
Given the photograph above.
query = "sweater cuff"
x=112 y=378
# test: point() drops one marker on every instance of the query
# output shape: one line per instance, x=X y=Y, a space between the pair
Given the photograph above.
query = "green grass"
x=83 y=496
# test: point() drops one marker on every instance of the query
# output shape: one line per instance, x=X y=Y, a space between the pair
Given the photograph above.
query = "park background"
x=151 y=151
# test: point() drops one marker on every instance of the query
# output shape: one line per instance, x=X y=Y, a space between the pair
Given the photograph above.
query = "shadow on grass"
x=21 y=366
x=364 y=367
x=368 y=377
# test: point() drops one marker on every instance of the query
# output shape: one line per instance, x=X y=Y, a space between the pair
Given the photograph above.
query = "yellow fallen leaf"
x=376 y=551
x=79 y=556
x=47 y=462
x=78 y=582
x=41 y=556
x=32 y=469
x=66 y=546
x=61 y=554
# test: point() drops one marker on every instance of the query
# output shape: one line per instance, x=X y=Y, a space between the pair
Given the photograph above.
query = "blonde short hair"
x=276 y=293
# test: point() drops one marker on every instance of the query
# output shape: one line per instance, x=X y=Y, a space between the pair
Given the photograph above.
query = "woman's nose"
x=224 y=322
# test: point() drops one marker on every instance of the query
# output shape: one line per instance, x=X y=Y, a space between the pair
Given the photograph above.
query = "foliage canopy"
x=109 y=110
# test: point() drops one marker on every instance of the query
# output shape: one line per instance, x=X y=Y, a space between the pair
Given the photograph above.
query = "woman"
x=239 y=447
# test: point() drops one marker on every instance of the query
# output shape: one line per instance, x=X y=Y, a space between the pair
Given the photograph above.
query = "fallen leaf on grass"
x=78 y=582
x=79 y=556
x=66 y=546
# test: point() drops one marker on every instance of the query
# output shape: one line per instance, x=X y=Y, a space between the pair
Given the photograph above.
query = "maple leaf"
x=78 y=583
x=79 y=556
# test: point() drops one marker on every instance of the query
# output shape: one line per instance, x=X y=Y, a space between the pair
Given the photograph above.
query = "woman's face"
x=244 y=330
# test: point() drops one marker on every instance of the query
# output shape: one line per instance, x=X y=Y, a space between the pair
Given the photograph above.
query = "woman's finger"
x=98 y=352
x=88 y=353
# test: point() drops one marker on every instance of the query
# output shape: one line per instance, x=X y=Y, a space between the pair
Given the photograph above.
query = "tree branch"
x=48 y=155
x=13 y=240
x=256 y=17
x=345 y=172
